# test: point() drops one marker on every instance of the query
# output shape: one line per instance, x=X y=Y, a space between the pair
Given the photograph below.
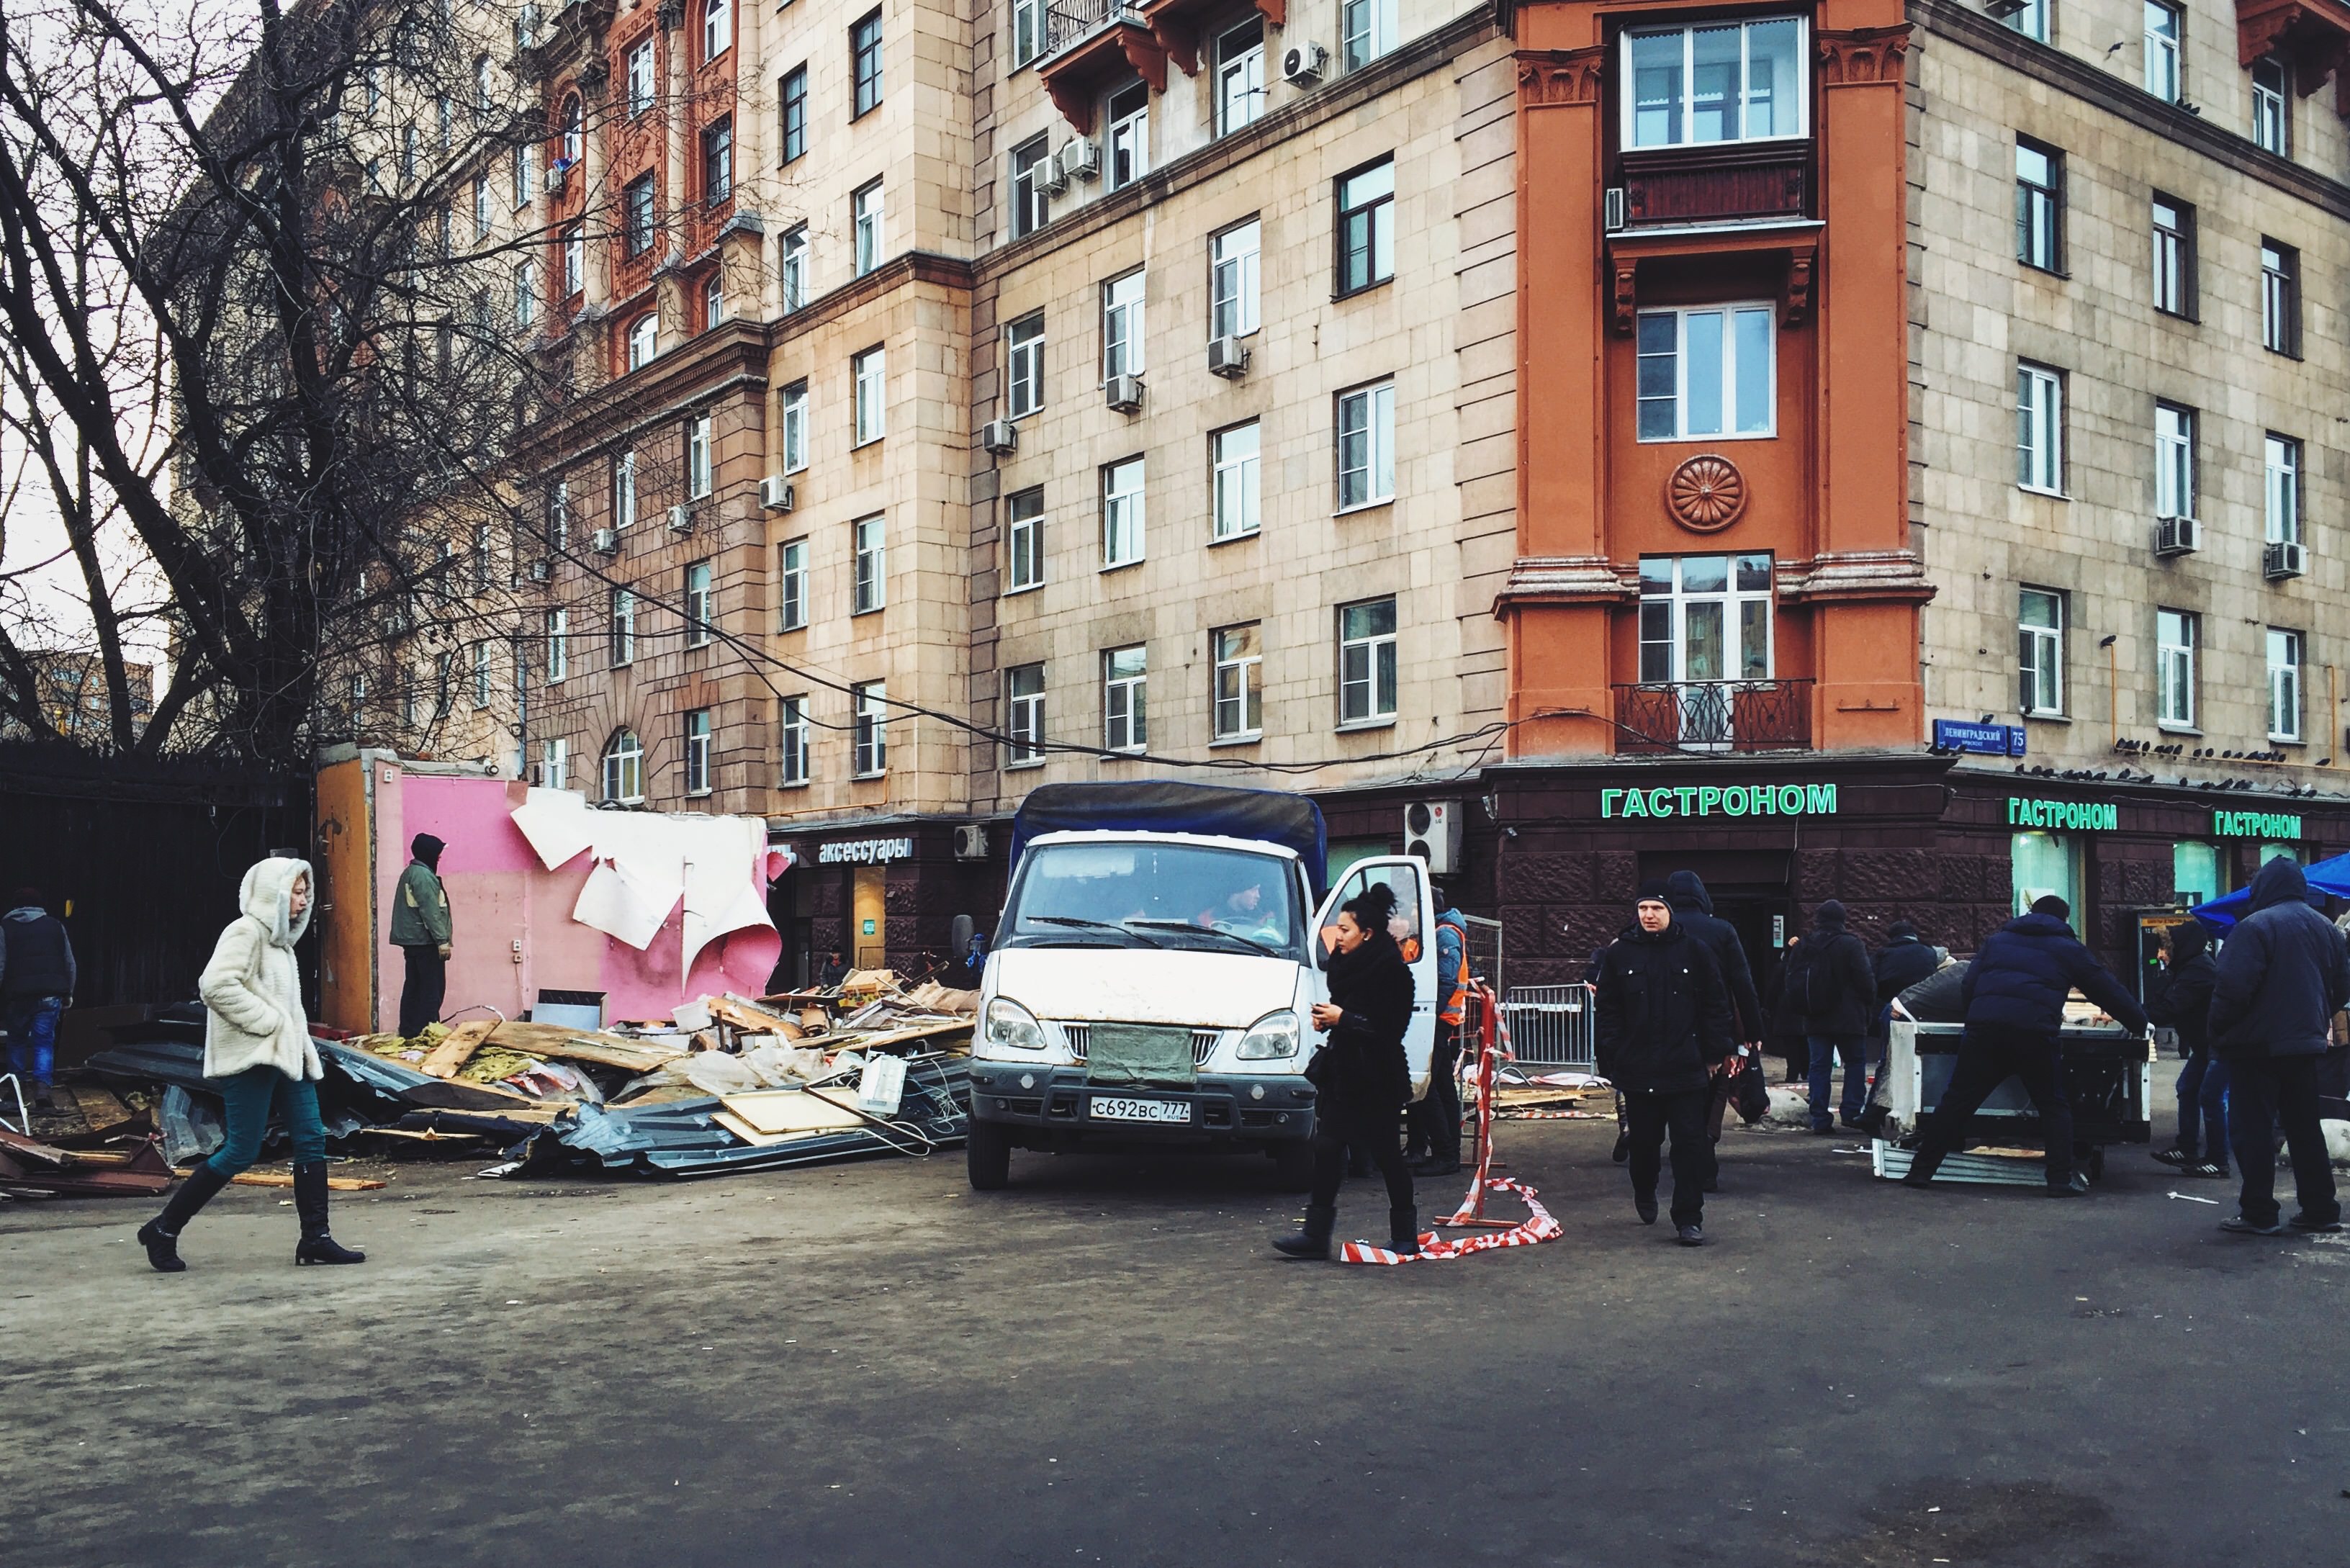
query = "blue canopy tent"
x=2329 y=875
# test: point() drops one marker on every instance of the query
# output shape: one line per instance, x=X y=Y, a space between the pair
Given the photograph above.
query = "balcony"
x=1714 y=716
x=1092 y=43
x=1718 y=183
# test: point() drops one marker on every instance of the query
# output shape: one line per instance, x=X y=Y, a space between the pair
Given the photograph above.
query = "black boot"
x=1403 y=1231
x=310 y=1202
x=1314 y=1240
x=161 y=1235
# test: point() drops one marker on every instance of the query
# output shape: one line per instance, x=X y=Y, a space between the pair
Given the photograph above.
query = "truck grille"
x=1080 y=1036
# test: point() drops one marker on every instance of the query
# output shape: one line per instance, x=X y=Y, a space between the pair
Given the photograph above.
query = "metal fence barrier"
x=1551 y=1027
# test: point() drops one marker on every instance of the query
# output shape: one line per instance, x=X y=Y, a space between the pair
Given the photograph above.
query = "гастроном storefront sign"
x=2064 y=815
x=2282 y=826
x=1718 y=800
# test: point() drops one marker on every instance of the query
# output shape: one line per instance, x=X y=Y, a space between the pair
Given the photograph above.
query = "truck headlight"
x=1273 y=1035
x=1012 y=1025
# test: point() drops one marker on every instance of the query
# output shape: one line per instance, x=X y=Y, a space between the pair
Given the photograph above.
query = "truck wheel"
x=1293 y=1166
x=987 y=1150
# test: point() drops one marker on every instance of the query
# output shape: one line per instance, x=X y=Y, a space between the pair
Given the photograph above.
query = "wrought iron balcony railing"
x=1071 y=22
x=1714 y=716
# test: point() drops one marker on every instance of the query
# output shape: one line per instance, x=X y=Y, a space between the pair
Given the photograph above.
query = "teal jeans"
x=250 y=1097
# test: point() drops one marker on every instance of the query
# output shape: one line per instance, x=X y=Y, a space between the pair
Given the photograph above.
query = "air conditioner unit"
x=540 y=570
x=556 y=177
x=1228 y=358
x=1302 y=66
x=2283 y=559
x=1055 y=177
x=1612 y=209
x=607 y=541
x=2176 y=536
x=971 y=842
x=1431 y=831
x=776 y=492
x=1080 y=160
x=1001 y=437
x=681 y=519
x=1124 y=393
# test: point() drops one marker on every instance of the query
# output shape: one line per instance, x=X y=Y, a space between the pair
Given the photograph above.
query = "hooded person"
x=2281 y=976
x=1835 y=995
x=1693 y=911
x=261 y=1059
x=37 y=984
x=2181 y=999
x=421 y=930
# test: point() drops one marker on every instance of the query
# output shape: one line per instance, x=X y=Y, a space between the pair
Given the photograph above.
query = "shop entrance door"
x=867 y=917
x=1750 y=888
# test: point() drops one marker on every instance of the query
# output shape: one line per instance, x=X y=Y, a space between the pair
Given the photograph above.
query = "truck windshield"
x=1154 y=895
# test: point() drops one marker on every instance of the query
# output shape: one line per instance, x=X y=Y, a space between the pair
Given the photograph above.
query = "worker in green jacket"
x=419 y=929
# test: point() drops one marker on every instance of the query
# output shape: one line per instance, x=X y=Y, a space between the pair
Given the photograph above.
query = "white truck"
x=1154 y=970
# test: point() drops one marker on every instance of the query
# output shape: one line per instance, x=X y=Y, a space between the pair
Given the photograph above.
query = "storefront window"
x=2271 y=850
x=2040 y=864
x=2194 y=872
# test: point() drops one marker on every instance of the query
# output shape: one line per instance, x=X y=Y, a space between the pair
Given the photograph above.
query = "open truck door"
x=1414 y=929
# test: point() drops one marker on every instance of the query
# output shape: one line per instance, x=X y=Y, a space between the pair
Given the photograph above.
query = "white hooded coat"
x=252 y=991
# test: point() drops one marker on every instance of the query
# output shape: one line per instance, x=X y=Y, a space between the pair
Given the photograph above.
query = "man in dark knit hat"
x=421 y=930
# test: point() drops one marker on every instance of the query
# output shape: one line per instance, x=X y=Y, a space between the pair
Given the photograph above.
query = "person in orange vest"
x=1435 y=1120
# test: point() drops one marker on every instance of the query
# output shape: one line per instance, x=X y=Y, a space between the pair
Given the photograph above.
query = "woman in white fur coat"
x=259 y=1056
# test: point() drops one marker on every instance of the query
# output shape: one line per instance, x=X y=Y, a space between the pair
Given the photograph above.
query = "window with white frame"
x=2040 y=651
x=796 y=427
x=2272 y=106
x=2174 y=255
x=792 y=728
x=1122 y=326
x=791 y=266
x=639 y=74
x=624 y=490
x=1024 y=715
x=2174 y=461
x=1238 y=691
x=870 y=547
x=714 y=299
x=697 y=457
x=697 y=751
x=791 y=585
x=868 y=706
x=718 y=162
x=700 y=605
x=1715 y=81
x=1366 y=29
x=868 y=374
x=1121 y=535
x=2032 y=20
x=482 y=678
x=1025 y=540
x=2040 y=429
x=1707 y=371
x=1032 y=199
x=558 y=516
x=526 y=296
x=1367 y=662
x=407 y=154
x=2163 y=25
x=480 y=208
x=2177 y=634
x=2281 y=489
x=1126 y=701
x=558 y=646
x=440 y=697
x=1233 y=458
x=865 y=224
x=575 y=130
x=1027 y=31
x=554 y=763
x=2039 y=205
x=644 y=340
x=1366 y=446
x=1128 y=142
x=521 y=165
x=1705 y=618
x=2279 y=298
x=717 y=28
x=621 y=620
x=575 y=260
x=1240 y=76
x=1232 y=261
x=2285 y=648
x=624 y=767
x=1023 y=367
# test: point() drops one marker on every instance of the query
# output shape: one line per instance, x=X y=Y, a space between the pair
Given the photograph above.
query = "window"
x=1721 y=81
x=480 y=557
x=480 y=208
x=2040 y=658
x=375 y=85
x=575 y=260
x=2174 y=256
x=484 y=97
x=622 y=621
x=2040 y=429
x=792 y=266
x=558 y=516
x=2176 y=634
x=624 y=767
x=791 y=585
x=1366 y=227
x=1126 y=706
x=865 y=222
x=793 y=96
x=526 y=296
x=1367 y=662
x=713 y=300
x=2174 y=461
x=575 y=130
x=481 y=675
x=2039 y=206
x=791 y=727
x=697 y=457
x=865 y=62
x=1706 y=372
x=2163 y=23
x=1238 y=694
x=440 y=663
x=796 y=427
x=640 y=77
x=2272 y=106
x=1024 y=354
x=1024 y=536
x=1122 y=513
x=2285 y=685
x=523 y=164
x=644 y=340
x=2281 y=489
x=407 y=153
x=868 y=706
x=558 y=646
x=1024 y=715
x=1027 y=31
x=554 y=764
x=1366 y=446
x=1122 y=326
x=2194 y=872
x=1234 y=455
x=1239 y=77
x=697 y=751
x=1705 y=620
x=717 y=28
x=1128 y=142
x=1366 y=29
x=1233 y=280
x=870 y=379
x=2040 y=864
x=718 y=162
x=700 y=605
x=1031 y=201
x=2032 y=20
x=2279 y=298
x=871 y=549
x=638 y=236
x=375 y=178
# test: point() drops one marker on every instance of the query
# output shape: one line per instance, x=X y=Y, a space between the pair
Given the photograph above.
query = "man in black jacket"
x=1663 y=1031
x=2015 y=992
x=1693 y=912
x=2283 y=975
x=2181 y=1000
x=1836 y=996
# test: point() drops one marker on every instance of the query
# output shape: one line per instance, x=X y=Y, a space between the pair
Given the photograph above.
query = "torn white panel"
x=557 y=824
x=719 y=896
x=646 y=863
x=622 y=907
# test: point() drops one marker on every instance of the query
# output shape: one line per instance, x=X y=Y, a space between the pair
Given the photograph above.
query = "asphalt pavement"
x=871 y=1364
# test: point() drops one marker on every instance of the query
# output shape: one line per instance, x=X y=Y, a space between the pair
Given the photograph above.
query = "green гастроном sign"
x=2271 y=825
x=1720 y=800
x=2065 y=816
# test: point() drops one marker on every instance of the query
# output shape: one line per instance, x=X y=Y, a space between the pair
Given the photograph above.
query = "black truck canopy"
x=1173 y=805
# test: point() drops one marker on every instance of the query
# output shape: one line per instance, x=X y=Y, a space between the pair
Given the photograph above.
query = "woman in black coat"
x=1362 y=1074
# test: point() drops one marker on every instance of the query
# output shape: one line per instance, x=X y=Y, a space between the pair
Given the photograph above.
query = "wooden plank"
x=446 y=1059
x=286 y=1178
x=907 y=1034
x=585 y=1046
x=752 y=1019
x=98 y=1108
x=743 y=1130
x=790 y=1111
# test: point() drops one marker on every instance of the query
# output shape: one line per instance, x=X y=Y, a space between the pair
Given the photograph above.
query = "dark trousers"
x=1435 y=1120
x=2203 y=1108
x=250 y=1097
x=1649 y=1116
x=2263 y=1090
x=1988 y=1057
x=1341 y=1128
x=1826 y=1050
x=420 y=996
